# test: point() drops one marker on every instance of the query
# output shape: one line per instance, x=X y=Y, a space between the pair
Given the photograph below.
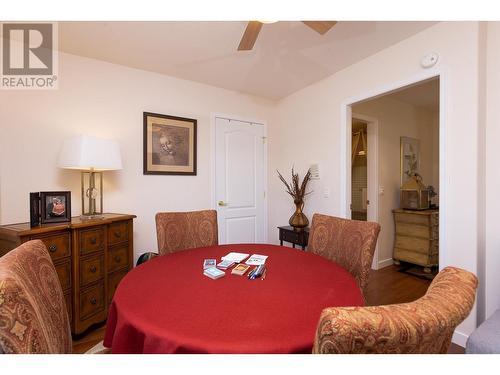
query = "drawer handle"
x=118 y=234
x=93 y=301
x=118 y=259
x=93 y=240
x=53 y=248
x=93 y=269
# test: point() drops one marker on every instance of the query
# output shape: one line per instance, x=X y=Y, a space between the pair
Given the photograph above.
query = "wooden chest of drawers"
x=90 y=257
x=417 y=237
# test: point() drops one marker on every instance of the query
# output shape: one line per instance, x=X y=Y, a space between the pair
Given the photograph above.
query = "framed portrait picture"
x=55 y=206
x=169 y=144
x=410 y=158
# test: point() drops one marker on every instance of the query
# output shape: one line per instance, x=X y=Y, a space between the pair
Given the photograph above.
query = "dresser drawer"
x=64 y=273
x=413 y=257
x=412 y=218
x=58 y=245
x=417 y=245
x=118 y=258
x=117 y=232
x=290 y=236
x=91 y=240
x=420 y=231
x=91 y=269
x=91 y=301
x=113 y=281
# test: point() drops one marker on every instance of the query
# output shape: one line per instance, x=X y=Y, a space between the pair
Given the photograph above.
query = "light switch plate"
x=314 y=168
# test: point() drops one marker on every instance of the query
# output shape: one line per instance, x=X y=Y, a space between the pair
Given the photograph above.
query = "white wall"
x=307 y=129
x=107 y=100
x=492 y=181
x=397 y=119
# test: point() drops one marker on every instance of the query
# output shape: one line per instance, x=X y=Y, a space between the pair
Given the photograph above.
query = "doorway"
x=240 y=180
x=359 y=172
x=410 y=112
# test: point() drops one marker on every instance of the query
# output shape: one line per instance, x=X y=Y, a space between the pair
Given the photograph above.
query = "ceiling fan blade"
x=320 y=26
x=250 y=36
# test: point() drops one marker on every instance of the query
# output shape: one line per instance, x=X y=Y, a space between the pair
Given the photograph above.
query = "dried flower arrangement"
x=297 y=191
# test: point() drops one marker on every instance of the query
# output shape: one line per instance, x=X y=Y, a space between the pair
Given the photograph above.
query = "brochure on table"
x=235 y=257
x=256 y=260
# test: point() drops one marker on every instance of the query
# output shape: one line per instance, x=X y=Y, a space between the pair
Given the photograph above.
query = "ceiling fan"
x=253 y=28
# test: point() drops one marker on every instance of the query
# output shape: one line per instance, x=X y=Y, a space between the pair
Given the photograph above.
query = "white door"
x=239 y=181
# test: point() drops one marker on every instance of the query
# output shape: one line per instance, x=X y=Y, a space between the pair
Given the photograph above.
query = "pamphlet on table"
x=256 y=260
x=225 y=264
x=240 y=269
x=214 y=273
x=235 y=257
x=208 y=263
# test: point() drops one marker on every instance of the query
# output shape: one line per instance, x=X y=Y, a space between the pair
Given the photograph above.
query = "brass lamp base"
x=91 y=195
x=91 y=217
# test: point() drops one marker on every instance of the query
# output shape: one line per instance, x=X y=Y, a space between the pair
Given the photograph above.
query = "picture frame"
x=169 y=145
x=410 y=158
x=55 y=206
x=34 y=209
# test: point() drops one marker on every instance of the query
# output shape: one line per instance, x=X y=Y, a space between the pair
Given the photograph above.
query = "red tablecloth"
x=167 y=305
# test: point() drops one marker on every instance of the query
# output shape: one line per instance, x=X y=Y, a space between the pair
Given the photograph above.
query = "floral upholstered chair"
x=33 y=316
x=349 y=243
x=178 y=231
x=423 y=326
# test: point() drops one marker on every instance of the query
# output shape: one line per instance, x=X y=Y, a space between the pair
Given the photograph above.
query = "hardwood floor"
x=386 y=286
x=87 y=340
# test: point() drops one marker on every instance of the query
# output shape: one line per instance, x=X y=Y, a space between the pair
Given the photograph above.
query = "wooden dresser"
x=90 y=257
x=417 y=237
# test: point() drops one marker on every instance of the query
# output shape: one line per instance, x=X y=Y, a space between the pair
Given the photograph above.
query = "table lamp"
x=92 y=156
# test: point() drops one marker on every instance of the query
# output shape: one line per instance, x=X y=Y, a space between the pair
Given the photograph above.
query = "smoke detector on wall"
x=429 y=60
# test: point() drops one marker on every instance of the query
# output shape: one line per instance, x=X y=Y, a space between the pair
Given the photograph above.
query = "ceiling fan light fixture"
x=268 y=22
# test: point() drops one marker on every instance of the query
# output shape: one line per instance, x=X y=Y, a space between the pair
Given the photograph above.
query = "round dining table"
x=167 y=305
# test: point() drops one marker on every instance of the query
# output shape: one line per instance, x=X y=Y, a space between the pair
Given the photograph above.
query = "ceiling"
x=424 y=95
x=286 y=57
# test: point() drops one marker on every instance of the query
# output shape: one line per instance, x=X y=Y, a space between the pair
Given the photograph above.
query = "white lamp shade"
x=86 y=153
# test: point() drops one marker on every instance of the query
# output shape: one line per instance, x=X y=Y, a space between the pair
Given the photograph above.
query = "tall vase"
x=298 y=220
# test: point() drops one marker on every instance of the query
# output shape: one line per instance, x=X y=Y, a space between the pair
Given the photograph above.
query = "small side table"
x=288 y=234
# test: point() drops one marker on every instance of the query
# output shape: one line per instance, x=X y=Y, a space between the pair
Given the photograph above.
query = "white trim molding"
x=459 y=338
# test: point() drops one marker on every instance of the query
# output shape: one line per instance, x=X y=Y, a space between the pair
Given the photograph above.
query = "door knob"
x=222 y=203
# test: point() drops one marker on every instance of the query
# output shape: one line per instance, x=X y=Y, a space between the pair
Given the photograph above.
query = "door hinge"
x=264 y=139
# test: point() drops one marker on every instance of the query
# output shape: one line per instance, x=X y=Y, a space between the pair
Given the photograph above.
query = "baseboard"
x=459 y=338
x=385 y=263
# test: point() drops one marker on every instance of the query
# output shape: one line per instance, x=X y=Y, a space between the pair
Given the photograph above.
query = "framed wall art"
x=410 y=158
x=169 y=144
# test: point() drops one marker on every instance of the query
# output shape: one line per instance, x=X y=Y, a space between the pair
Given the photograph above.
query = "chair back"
x=423 y=326
x=178 y=231
x=33 y=315
x=349 y=243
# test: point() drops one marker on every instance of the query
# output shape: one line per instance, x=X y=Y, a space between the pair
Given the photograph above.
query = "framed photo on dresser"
x=50 y=207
